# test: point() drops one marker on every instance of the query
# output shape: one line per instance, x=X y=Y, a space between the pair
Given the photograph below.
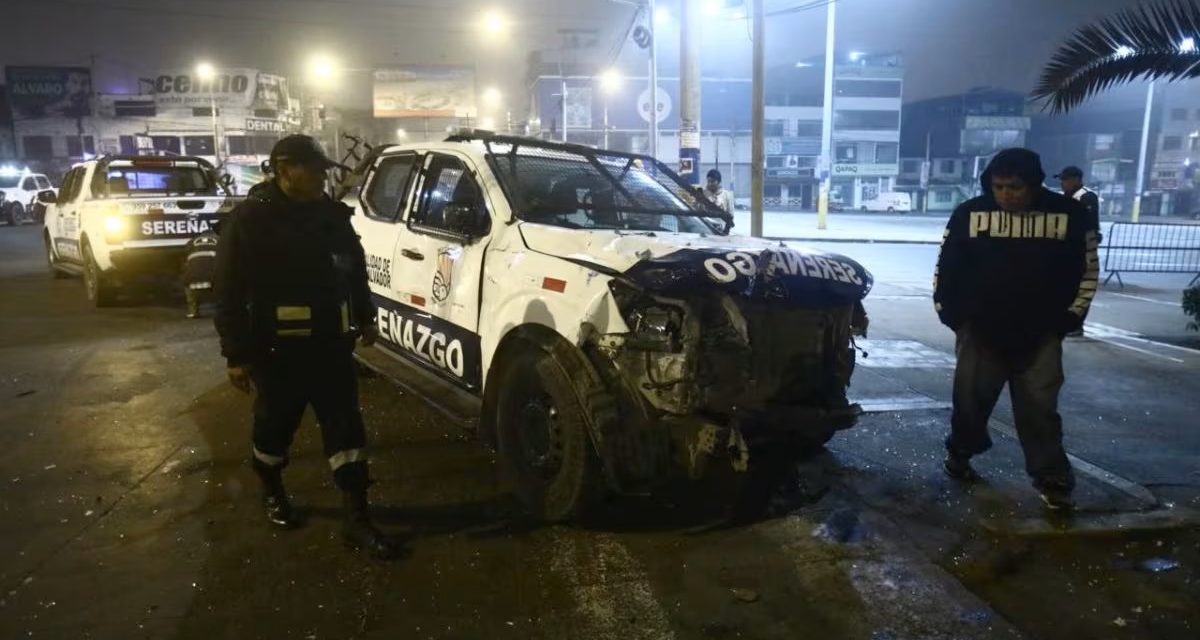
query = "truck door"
x=439 y=263
x=383 y=200
x=65 y=216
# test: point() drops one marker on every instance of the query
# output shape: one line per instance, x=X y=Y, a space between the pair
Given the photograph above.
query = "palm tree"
x=1150 y=41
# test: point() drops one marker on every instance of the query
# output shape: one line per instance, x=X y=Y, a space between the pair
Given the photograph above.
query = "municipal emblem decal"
x=443 y=277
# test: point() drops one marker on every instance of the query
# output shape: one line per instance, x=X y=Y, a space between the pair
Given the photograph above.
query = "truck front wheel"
x=542 y=429
x=100 y=292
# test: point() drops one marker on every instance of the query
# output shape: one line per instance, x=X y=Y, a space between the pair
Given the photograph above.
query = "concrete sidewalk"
x=847 y=227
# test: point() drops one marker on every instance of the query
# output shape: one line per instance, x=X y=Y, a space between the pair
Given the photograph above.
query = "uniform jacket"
x=288 y=273
x=1016 y=278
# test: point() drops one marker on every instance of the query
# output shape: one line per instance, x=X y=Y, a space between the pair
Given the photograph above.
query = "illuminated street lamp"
x=401 y=134
x=321 y=69
x=610 y=83
x=494 y=23
x=492 y=97
x=207 y=74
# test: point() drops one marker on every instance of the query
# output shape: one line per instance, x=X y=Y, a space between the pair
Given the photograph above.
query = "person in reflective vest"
x=292 y=298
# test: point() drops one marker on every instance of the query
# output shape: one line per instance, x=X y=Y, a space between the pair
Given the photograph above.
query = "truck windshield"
x=8 y=182
x=589 y=189
x=135 y=180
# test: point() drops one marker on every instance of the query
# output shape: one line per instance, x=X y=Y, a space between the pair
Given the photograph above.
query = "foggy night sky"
x=949 y=45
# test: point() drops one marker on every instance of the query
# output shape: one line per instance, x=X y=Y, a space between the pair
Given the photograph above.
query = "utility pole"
x=758 y=156
x=689 y=90
x=926 y=171
x=653 y=80
x=1141 y=173
x=826 y=163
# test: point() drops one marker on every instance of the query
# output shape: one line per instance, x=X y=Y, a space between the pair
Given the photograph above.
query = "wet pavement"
x=130 y=511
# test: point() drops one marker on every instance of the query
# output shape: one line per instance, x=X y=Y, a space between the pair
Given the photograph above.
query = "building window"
x=1193 y=143
x=808 y=129
x=866 y=120
x=947 y=167
x=774 y=162
x=847 y=153
x=198 y=145
x=910 y=166
x=774 y=128
x=1172 y=143
x=887 y=153
x=943 y=197
x=1179 y=114
x=202 y=112
x=868 y=88
x=128 y=145
x=170 y=144
x=79 y=145
x=1103 y=142
x=1165 y=174
x=38 y=147
x=986 y=141
x=250 y=145
x=772 y=191
x=271 y=114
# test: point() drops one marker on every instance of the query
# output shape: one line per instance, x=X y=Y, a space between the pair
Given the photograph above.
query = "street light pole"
x=689 y=91
x=757 y=144
x=653 y=80
x=1141 y=172
x=212 y=101
x=827 y=119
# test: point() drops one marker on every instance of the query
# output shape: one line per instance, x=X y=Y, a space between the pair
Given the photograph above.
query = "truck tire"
x=99 y=291
x=51 y=260
x=17 y=214
x=8 y=215
x=543 y=440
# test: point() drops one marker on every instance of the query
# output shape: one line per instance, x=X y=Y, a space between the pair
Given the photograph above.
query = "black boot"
x=275 y=500
x=360 y=533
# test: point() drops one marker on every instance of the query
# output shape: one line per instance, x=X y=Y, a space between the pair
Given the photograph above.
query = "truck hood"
x=681 y=263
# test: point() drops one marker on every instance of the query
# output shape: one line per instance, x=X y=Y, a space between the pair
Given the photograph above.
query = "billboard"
x=49 y=92
x=237 y=88
x=425 y=92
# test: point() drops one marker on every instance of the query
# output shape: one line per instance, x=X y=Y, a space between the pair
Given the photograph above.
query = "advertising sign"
x=263 y=125
x=579 y=107
x=49 y=92
x=662 y=104
x=866 y=170
x=236 y=88
x=425 y=92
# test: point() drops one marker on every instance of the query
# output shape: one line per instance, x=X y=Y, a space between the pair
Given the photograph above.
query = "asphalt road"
x=130 y=511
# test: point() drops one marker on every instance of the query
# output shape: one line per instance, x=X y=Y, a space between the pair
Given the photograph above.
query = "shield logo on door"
x=443 y=276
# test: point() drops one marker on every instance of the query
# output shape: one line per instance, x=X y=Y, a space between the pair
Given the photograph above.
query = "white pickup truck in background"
x=120 y=220
x=18 y=195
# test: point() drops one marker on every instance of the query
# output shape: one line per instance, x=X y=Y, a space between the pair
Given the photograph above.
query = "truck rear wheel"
x=100 y=292
x=542 y=429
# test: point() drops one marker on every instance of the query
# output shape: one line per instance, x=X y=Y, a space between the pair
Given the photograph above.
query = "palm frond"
x=1142 y=42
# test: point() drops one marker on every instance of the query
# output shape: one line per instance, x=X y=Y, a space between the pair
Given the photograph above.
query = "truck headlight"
x=115 y=227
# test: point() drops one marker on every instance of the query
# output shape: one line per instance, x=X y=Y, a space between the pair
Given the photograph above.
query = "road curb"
x=854 y=240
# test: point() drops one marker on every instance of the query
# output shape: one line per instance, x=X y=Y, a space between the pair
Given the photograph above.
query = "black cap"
x=301 y=149
x=1070 y=172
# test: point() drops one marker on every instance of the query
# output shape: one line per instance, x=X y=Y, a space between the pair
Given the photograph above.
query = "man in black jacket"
x=1017 y=272
x=292 y=296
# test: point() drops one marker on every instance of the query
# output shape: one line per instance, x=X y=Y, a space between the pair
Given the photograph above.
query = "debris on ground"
x=744 y=595
x=1158 y=565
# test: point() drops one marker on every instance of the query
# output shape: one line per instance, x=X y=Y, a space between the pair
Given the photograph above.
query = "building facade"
x=866 y=125
x=1171 y=181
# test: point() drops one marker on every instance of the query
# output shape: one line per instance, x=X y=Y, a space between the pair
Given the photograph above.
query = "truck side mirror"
x=47 y=197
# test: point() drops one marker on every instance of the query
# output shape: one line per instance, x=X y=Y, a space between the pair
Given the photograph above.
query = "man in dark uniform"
x=1017 y=272
x=292 y=296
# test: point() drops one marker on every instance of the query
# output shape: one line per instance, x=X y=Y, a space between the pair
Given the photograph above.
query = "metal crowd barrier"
x=1149 y=247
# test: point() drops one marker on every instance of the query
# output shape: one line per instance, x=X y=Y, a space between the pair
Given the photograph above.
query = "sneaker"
x=960 y=469
x=1057 y=499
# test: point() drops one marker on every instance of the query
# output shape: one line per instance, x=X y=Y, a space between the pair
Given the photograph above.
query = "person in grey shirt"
x=720 y=196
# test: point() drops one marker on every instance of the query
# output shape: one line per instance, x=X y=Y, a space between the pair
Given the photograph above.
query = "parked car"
x=21 y=189
x=121 y=219
x=889 y=201
x=606 y=330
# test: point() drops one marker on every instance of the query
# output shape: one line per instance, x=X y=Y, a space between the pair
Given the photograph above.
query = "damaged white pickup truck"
x=612 y=332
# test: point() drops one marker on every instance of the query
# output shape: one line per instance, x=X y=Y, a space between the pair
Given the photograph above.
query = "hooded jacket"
x=288 y=273
x=1016 y=278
